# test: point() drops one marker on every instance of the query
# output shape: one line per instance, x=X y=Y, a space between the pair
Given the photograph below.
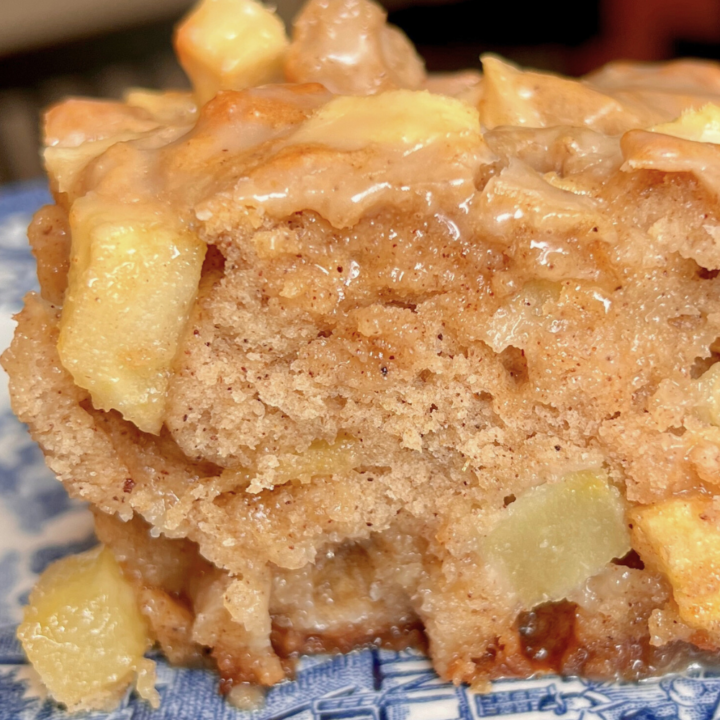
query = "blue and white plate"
x=38 y=524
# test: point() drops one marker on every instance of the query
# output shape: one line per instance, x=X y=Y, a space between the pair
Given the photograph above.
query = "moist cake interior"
x=433 y=318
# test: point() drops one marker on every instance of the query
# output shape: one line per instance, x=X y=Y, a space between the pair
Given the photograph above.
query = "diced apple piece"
x=520 y=198
x=134 y=272
x=321 y=458
x=230 y=45
x=645 y=150
x=84 y=634
x=348 y=47
x=516 y=322
x=558 y=535
x=396 y=117
x=707 y=391
x=64 y=165
x=681 y=538
x=512 y=96
x=78 y=130
x=502 y=102
x=701 y=125
x=166 y=107
x=80 y=120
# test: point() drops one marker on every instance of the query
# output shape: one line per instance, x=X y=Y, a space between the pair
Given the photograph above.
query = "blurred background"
x=53 y=48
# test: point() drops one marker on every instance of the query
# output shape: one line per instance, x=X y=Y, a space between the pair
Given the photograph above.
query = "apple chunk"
x=230 y=45
x=680 y=537
x=84 y=634
x=134 y=272
x=558 y=535
x=397 y=117
x=699 y=125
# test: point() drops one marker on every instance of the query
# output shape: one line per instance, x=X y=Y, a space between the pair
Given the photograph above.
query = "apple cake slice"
x=343 y=354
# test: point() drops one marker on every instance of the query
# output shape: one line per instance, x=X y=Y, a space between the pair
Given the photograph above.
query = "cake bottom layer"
x=353 y=596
